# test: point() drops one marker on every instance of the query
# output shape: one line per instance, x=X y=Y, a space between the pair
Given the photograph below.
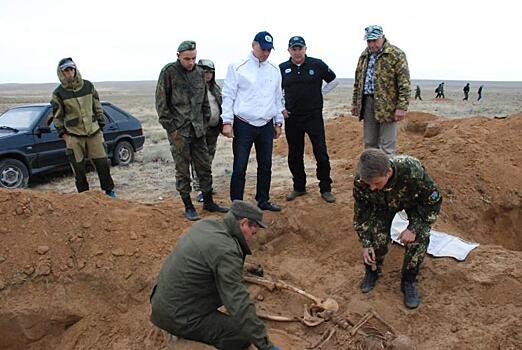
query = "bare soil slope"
x=76 y=269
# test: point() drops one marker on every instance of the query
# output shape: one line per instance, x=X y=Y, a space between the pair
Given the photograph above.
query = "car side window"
x=116 y=115
x=48 y=120
x=106 y=118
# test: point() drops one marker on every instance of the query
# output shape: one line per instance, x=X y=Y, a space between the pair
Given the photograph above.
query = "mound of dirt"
x=76 y=269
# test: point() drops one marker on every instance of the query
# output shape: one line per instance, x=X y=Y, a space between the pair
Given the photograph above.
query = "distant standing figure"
x=303 y=78
x=418 y=93
x=440 y=91
x=480 y=92
x=381 y=91
x=78 y=117
x=466 y=92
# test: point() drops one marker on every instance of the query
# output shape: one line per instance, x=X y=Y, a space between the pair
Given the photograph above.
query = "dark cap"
x=265 y=40
x=206 y=64
x=242 y=209
x=296 y=41
x=187 y=45
x=66 y=63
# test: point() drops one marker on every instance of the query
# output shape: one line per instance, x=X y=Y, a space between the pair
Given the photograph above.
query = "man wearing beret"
x=204 y=272
x=184 y=111
x=252 y=115
x=303 y=78
x=381 y=91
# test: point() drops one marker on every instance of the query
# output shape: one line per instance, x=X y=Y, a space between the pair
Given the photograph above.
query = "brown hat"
x=242 y=209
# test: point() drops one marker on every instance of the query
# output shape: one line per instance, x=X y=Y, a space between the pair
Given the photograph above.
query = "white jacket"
x=252 y=91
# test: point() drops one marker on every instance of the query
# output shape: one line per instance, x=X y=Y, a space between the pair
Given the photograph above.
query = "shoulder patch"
x=434 y=197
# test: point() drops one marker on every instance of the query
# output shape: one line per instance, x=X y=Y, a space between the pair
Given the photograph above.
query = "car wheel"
x=13 y=174
x=123 y=153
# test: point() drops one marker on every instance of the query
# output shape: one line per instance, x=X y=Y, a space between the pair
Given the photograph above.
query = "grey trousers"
x=377 y=134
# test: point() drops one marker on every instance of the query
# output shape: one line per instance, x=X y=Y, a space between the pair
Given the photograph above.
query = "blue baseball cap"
x=296 y=41
x=373 y=32
x=265 y=40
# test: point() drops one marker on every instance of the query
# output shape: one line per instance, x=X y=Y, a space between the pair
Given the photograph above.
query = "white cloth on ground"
x=441 y=243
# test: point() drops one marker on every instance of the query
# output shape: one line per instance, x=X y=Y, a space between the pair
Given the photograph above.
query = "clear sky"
x=132 y=40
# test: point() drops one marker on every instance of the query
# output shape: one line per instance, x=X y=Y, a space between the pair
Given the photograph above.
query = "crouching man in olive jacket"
x=204 y=272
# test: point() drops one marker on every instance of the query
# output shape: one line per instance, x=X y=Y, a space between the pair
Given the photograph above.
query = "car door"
x=110 y=130
x=49 y=147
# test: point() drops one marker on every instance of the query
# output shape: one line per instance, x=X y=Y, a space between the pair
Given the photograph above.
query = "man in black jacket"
x=302 y=80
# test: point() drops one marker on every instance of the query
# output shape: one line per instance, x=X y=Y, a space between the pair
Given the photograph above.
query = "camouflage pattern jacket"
x=392 y=83
x=204 y=272
x=410 y=188
x=77 y=109
x=215 y=90
x=182 y=101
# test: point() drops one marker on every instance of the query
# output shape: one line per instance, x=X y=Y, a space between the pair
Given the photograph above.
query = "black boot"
x=210 y=205
x=190 y=212
x=411 y=294
x=370 y=278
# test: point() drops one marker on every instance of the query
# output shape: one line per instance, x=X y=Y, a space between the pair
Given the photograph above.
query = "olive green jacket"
x=392 y=83
x=204 y=272
x=76 y=107
x=182 y=101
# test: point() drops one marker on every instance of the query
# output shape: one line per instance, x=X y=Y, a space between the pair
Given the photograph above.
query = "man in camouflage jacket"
x=78 y=117
x=184 y=111
x=204 y=272
x=384 y=186
x=381 y=90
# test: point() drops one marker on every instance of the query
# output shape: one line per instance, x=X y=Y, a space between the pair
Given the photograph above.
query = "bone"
x=270 y=285
x=327 y=304
x=278 y=318
x=380 y=318
x=362 y=321
x=311 y=320
x=324 y=338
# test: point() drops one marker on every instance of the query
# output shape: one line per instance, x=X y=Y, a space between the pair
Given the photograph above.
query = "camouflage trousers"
x=211 y=137
x=415 y=252
x=79 y=149
x=186 y=151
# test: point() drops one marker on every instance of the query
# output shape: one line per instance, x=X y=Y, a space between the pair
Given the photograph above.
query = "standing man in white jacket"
x=252 y=115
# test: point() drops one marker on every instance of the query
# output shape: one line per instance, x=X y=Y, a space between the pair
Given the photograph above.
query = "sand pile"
x=76 y=270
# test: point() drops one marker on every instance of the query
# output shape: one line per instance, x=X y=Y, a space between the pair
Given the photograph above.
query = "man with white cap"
x=381 y=90
x=252 y=115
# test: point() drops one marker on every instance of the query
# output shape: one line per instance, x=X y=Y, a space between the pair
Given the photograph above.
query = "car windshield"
x=20 y=118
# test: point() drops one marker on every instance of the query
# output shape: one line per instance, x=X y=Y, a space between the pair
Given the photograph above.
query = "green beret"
x=187 y=45
x=242 y=209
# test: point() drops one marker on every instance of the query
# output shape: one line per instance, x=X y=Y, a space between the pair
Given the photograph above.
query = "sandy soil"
x=76 y=269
